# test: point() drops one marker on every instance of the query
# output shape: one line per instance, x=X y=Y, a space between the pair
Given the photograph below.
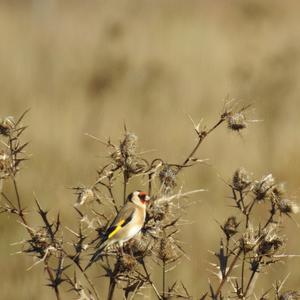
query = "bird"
x=128 y=222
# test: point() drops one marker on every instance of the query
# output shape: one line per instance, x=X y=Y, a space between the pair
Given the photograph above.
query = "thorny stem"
x=112 y=282
x=224 y=279
x=52 y=280
x=243 y=271
x=272 y=213
x=202 y=135
x=249 y=212
x=90 y=283
x=108 y=187
x=111 y=289
x=17 y=195
x=164 y=279
x=242 y=202
x=21 y=215
x=13 y=157
x=125 y=185
x=150 y=183
x=20 y=211
x=254 y=272
x=84 y=274
x=150 y=281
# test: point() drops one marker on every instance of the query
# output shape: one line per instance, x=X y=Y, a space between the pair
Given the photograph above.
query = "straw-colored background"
x=90 y=66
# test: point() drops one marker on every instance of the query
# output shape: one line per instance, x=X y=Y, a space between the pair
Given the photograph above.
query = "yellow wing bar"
x=118 y=227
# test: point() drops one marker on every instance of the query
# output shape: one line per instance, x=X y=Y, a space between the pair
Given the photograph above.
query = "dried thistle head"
x=249 y=239
x=269 y=244
x=161 y=211
x=287 y=207
x=116 y=156
x=142 y=245
x=5 y=164
x=290 y=295
x=84 y=195
x=6 y=125
x=134 y=165
x=167 y=250
x=167 y=177
x=127 y=263
x=262 y=188
x=124 y=156
x=236 y=121
x=230 y=227
x=279 y=190
x=38 y=243
x=241 y=179
x=129 y=144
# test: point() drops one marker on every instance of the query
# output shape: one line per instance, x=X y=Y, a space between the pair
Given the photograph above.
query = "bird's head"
x=139 y=198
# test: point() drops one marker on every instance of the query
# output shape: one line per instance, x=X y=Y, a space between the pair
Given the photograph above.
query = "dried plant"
x=247 y=248
x=251 y=246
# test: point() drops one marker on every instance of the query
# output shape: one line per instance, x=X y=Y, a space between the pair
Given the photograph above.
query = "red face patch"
x=142 y=196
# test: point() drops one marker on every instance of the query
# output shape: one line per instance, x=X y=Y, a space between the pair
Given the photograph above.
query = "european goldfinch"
x=128 y=222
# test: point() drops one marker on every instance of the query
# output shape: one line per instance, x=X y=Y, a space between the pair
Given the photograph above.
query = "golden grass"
x=91 y=67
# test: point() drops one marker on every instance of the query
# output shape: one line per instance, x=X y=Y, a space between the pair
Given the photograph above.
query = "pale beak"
x=147 y=198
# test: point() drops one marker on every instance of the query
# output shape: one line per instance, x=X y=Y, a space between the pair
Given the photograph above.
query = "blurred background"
x=91 y=66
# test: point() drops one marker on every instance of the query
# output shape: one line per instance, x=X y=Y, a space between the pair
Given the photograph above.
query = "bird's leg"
x=121 y=248
x=131 y=252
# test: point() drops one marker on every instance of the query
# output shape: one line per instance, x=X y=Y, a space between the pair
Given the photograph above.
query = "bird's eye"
x=142 y=196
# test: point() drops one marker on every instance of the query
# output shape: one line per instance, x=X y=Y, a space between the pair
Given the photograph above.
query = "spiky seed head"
x=127 y=263
x=134 y=165
x=287 y=206
x=6 y=125
x=290 y=295
x=129 y=144
x=85 y=195
x=142 y=245
x=117 y=157
x=167 y=177
x=269 y=245
x=5 y=164
x=279 y=190
x=249 y=239
x=160 y=212
x=236 y=121
x=241 y=179
x=230 y=227
x=262 y=188
x=167 y=251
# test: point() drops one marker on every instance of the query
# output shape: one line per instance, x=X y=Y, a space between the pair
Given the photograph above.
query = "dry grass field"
x=91 y=66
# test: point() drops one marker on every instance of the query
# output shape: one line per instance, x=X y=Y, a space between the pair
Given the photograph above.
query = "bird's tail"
x=97 y=255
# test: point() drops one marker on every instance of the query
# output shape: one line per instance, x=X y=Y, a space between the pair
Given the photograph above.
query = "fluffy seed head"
x=230 y=227
x=127 y=263
x=290 y=295
x=5 y=164
x=278 y=191
x=167 y=251
x=6 y=125
x=262 y=188
x=249 y=240
x=269 y=245
x=85 y=195
x=142 y=244
x=286 y=206
x=241 y=179
x=129 y=144
x=236 y=121
x=134 y=165
x=167 y=177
